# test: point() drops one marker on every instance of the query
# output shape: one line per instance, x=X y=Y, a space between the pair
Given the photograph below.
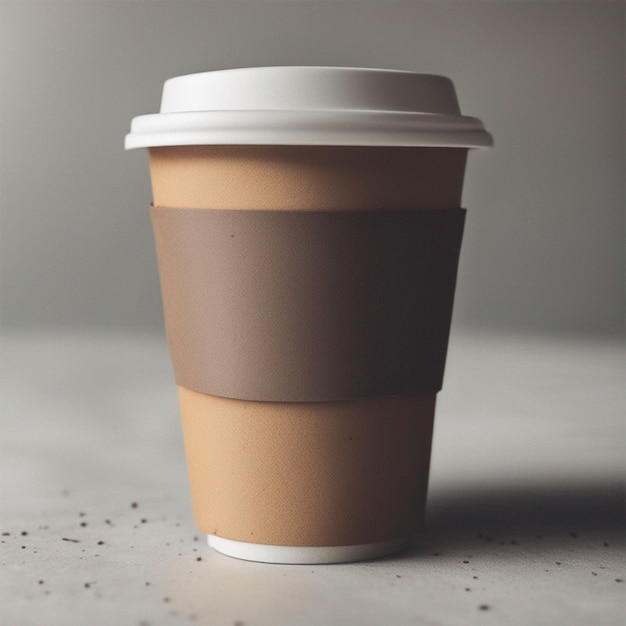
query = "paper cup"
x=281 y=472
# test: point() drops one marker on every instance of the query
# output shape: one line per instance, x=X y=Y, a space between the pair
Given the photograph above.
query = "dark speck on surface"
x=484 y=607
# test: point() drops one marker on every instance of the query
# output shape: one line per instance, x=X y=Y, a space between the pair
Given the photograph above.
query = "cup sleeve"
x=308 y=306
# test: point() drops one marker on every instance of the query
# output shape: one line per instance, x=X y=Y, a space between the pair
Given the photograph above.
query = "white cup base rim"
x=306 y=555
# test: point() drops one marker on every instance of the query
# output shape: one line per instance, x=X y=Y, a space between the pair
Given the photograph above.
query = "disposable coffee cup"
x=308 y=224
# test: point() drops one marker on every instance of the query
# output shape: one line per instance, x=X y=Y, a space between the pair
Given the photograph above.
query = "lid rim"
x=306 y=128
x=188 y=139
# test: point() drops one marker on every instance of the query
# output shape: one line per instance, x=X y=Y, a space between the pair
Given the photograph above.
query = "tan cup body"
x=307 y=474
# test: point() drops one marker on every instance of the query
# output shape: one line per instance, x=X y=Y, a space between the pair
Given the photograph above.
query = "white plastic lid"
x=334 y=106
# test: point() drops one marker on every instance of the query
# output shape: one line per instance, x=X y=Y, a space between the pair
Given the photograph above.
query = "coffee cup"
x=308 y=224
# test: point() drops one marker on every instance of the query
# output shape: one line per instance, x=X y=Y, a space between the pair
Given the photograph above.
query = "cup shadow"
x=477 y=519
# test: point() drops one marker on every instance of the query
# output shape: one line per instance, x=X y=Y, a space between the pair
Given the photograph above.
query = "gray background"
x=544 y=244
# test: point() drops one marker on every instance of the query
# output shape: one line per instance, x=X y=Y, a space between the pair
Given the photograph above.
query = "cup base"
x=306 y=555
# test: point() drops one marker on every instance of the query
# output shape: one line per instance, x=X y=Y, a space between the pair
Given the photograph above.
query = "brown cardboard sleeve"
x=308 y=306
